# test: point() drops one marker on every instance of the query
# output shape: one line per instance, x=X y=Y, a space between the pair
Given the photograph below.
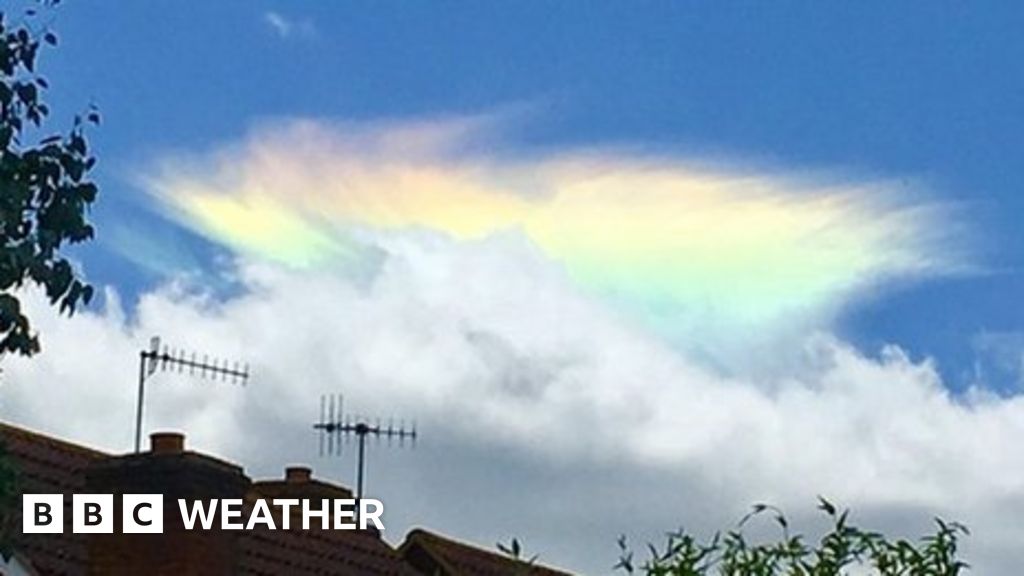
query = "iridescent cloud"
x=660 y=234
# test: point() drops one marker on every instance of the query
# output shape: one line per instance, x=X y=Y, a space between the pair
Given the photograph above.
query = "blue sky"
x=924 y=91
x=485 y=340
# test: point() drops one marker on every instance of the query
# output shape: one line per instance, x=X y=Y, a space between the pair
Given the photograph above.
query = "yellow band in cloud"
x=747 y=246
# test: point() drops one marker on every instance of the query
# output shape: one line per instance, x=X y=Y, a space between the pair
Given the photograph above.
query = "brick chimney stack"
x=168 y=469
x=298 y=474
x=166 y=443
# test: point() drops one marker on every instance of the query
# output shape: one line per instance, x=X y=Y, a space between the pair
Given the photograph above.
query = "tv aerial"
x=169 y=360
x=334 y=426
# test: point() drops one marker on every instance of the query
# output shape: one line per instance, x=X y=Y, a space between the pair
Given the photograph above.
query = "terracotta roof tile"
x=446 y=557
x=47 y=465
x=263 y=552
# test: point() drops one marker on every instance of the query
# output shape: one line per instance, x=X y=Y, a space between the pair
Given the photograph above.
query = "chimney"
x=297 y=474
x=167 y=443
x=169 y=470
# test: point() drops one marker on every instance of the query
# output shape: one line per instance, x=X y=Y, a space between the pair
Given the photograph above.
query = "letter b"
x=42 y=514
x=93 y=514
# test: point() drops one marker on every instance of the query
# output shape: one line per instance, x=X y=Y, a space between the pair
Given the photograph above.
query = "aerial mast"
x=167 y=360
x=334 y=426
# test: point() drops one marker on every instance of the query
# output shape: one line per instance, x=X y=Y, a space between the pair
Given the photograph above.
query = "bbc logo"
x=92 y=513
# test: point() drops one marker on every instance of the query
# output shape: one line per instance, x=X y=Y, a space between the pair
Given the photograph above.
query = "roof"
x=47 y=465
x=437 y=555
x=263 y=552
x=312 y=488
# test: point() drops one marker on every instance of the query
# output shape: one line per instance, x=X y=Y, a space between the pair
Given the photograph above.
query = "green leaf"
x=44 y=191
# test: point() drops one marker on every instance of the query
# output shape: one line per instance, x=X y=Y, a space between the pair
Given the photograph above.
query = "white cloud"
x=399 y=265
x=553 y=414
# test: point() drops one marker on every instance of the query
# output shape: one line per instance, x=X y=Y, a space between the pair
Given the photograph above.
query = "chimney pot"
x=297 y=474
x=167 y=442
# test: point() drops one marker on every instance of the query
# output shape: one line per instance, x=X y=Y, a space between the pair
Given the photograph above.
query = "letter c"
x=135 y=514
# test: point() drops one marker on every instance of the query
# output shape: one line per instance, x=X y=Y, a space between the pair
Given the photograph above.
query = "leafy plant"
x=45 y=196
x=845 y=549
x=45 y=193
x=514 y=550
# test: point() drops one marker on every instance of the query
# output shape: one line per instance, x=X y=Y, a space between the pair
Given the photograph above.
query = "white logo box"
x=92 y=514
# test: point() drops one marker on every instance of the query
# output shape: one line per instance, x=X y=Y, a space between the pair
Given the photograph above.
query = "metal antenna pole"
x=362 y=461
x=336 y=425
x=138 y=407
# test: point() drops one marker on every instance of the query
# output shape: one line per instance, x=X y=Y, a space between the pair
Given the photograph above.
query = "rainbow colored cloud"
x=657 y=233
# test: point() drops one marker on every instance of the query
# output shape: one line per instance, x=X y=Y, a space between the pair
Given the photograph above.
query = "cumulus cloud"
x=506 y=301
x=535 y=400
